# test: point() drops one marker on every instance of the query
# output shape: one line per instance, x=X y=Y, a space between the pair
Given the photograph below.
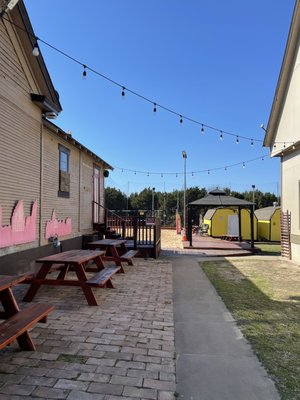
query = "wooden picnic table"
x=115 y=250
x=18 y=322
x=78 y=261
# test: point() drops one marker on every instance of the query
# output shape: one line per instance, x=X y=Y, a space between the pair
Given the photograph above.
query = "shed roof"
x=209 y=213
x=265 y=213
x=217 y=198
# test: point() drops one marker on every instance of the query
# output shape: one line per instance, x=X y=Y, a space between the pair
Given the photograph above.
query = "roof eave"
x=19 y=17
x=284 y=77
x=67 y=137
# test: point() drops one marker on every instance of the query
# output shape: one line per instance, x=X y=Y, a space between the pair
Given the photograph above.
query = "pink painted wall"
x=59 y=228
x=22 y=229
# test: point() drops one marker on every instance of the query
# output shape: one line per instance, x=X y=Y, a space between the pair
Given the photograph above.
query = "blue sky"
x=216 y=62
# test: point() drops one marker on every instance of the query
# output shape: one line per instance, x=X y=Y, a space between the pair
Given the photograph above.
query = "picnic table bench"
x=115 y=250
x=79 y=262
x=18 y=322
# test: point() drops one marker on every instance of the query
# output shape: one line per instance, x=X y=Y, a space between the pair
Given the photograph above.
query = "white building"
x=283 y=131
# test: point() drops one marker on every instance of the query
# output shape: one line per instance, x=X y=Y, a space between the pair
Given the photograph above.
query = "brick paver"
x=123 y=349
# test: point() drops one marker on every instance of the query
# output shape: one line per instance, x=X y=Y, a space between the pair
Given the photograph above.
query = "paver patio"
x=122 y=349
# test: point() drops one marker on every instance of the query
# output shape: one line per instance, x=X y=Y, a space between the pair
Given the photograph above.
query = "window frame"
x=63 y=150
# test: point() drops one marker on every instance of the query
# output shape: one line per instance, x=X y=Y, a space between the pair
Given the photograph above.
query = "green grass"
x=268 y=249
x=265 y=302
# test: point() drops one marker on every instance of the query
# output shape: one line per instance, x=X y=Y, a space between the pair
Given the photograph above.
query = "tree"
x=115 y=199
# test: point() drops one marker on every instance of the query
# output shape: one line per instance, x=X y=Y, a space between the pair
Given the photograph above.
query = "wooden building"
x=48 y=180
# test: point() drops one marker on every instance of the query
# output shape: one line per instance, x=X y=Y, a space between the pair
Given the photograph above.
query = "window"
x=64 y=174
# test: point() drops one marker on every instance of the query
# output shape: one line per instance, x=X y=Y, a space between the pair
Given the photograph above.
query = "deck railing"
x=142 y=230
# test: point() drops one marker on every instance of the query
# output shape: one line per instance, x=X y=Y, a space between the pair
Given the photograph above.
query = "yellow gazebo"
x=218 y=198
x=218 y=219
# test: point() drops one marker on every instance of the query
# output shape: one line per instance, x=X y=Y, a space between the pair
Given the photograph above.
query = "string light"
x=84 y=72
x=237 y=140
x=252 y=143
x=142 y=97
x=221 y=135
x=154 y=107
x=35 y=50
x=226 y=167
x=294 y=146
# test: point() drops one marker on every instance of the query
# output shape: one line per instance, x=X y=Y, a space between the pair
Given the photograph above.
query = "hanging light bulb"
x=122 y=170
x=274 y=146
x=123 y=91
x=192 y=173
x=148 y=174
x=154 y=107
x=237 y=140
x=176 y=175
x=284 y=145
x=244 y=166
x=84 y=72
x=293 y=146
x=162 y=175
x=208 y=171
x=202 y=129
x=35 y=50
x=221 y=135
x=252 y=143
x=225 y=168
x=134 y=172
x=262 y=159
x=181 y=120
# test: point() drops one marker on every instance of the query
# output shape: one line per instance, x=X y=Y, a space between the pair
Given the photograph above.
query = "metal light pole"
x=184 y=155
x=253 y=196
x=153 y=190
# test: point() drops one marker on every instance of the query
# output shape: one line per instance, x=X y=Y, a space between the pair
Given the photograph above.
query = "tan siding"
x=19 y=139
x=10 y=65
x=63 y=207
x=87 y=167
x=86 y=193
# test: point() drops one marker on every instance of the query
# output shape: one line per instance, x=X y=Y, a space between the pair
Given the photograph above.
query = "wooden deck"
x=146 y=250
x=210 y=243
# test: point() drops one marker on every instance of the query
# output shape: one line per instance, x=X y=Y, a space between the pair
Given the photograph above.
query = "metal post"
x=253 y=197
x=164 y=208
x=184 y=155
x=153 y=190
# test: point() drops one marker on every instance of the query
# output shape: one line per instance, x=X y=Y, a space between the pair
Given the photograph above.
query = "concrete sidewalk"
x=214 y=361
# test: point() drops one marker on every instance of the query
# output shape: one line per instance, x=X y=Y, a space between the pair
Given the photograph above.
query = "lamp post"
x=253 y=196
x=153 y=190
x=184 y=155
